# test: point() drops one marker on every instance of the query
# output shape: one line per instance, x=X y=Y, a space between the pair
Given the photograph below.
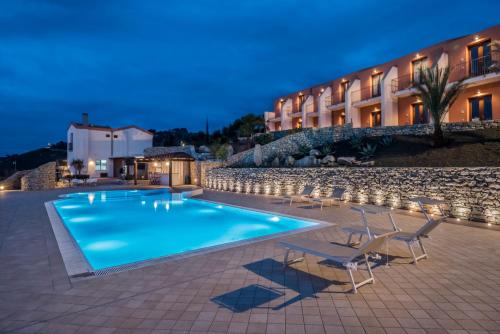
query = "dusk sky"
x=165 y=64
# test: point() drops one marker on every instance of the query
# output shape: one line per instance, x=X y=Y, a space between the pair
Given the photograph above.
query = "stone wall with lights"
x=472 y=193
x=199 y=170
x=40 y=178
x=310 y=137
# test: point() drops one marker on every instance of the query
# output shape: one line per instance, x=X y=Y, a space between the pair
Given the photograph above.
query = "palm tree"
x=438 y=96
x=78 y=165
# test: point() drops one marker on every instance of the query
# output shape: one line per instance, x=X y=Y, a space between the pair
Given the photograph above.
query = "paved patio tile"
x=456 y=291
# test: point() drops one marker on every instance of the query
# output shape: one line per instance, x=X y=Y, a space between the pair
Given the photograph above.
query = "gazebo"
x=170 y=169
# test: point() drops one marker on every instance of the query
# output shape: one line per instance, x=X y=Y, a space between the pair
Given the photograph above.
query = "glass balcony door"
x=481 y=108
x=420 y=116
x=376 y=84
x=479 y=59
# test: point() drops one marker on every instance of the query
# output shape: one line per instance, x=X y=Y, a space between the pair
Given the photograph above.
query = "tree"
x=78 y=165
x=438 y=96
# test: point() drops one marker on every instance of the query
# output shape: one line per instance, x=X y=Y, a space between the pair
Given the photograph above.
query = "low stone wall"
x=14 y=181
x=309 y=137
x=40 y=178
x=199 y=170
x=472 y=193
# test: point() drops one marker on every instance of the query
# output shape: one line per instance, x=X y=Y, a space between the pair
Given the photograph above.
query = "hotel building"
x=384 y=95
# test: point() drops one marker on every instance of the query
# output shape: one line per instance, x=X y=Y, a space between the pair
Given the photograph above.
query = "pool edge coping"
x=78 y=267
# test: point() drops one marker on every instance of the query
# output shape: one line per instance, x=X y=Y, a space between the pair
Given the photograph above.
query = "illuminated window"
x=101 y=165
x=480 y=108
x=343 y=89
x=417 y=66
x=420 y=116
x=480 y=59
x=376 y=84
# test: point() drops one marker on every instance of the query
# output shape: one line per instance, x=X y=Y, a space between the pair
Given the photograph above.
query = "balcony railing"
x=463 y=70
x=334 y=99
x=366 y=93
x=476 y=67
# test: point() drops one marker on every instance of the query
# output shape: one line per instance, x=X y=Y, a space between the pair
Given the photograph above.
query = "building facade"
x=105 y=151
x=384 y=95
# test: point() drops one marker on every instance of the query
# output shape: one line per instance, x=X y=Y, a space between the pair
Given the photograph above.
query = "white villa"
x=106 y=151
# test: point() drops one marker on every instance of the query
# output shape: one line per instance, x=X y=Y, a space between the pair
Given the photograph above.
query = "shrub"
x=264 y=139
x=77 y=164
x=327 y=149
x=304 y=149
x=368 y=151
x=219 y=151
x=386 y=140
x=357 y=141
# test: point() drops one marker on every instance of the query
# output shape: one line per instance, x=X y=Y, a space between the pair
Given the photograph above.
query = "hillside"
x=31 y=159
x=465 y=149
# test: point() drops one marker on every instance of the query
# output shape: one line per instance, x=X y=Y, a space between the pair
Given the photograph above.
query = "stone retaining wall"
x=199 y=170
x=309 y=137
x=13 y=181
x=40 y=178
x=472 y=193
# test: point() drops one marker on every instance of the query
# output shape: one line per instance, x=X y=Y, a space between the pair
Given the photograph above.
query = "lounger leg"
x=349 y=240
x=285 y=260
x=353 y=266
x=424 y=252
x=354 y=287
x=369 y=269
x=412 y=252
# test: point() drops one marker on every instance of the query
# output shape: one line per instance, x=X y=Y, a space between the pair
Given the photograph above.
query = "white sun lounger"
x=335 y=197
x=410 y=238
x=345 y=256
x=304 y=196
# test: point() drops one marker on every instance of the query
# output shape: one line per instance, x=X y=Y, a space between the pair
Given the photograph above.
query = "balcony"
x=335 y=102
x=366 y=96
x=479 y=71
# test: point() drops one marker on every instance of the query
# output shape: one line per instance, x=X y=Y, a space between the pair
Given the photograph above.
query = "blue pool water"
x=123 y=226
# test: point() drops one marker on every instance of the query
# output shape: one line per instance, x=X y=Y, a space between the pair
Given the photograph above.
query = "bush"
x=304 y=150
x=327 y=149
x=357 y=141
x=264 y=138
x=368 y=151
x=219 y=151
x=386 y=141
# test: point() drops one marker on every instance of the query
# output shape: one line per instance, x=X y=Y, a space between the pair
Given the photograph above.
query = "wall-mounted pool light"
x=219 y=206
x=274 y=219
x=143 y=202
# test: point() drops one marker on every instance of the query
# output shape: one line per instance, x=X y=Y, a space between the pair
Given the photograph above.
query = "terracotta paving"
x=245 y=289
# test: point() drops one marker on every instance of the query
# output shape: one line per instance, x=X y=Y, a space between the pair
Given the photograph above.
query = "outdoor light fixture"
x=2 y=187
x=155 y=164
x=476 y=38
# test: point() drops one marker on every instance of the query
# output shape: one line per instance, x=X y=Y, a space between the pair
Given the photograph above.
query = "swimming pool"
x=114 y=228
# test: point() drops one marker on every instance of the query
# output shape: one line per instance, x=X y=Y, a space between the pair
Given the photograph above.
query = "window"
x=416 y=67
x=376 y=118
x=108 y=135
x=479 y=58
x=419 y=115
x=376 y=84
x=115 y=136
x=480 y=108
x=101 y=165
x=70 y=144
x=343 y=89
